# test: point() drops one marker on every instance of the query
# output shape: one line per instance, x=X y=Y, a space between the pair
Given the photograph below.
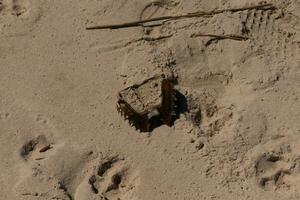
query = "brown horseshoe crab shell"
x=149 y=104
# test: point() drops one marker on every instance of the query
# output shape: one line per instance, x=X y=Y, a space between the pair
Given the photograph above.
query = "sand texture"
x=236 y=127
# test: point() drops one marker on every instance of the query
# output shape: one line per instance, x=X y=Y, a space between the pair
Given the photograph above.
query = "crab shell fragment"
x=149 y=104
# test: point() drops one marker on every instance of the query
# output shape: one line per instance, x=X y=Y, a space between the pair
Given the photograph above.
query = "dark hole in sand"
x=27 y=148
x=116 y=181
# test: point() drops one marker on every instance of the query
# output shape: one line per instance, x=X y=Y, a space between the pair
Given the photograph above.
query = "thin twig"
x=175 y=17
x=230 y=36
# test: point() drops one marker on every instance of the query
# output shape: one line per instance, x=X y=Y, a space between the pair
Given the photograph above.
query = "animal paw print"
x=35 y=171
x=274 y=172
x=113 y=179
x=14 y=7
x=18 y=7
x=35 y=148
x=19 y=17
x=269 y=170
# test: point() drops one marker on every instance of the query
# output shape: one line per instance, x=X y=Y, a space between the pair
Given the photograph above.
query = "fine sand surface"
x=237 y=135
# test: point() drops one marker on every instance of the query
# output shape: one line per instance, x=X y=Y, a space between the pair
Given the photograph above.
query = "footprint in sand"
x=279 y=170
x=14 y=8
x=83 y=176
x=112 y=179
x=270 y=171
x=18 y=17
x=36 y=148
x=38 y=153
x=45 y=168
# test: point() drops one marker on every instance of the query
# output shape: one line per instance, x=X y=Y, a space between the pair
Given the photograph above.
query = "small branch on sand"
x=175 y=17
x=230 y=36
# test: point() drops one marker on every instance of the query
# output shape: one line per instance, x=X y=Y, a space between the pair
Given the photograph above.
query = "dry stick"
x=174 y=17
x=232 y=37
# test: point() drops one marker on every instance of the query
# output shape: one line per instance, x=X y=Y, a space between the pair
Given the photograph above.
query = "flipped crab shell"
x=153 y=98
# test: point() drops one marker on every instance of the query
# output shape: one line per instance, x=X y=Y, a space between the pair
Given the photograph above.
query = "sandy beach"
x=235 y=129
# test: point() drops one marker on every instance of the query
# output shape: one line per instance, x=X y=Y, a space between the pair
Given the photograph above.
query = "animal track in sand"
x=113 y=179
x=18 y=17
x=278 y=171
x=38 y=154
x=269 y=170
x=14 y=7
x=83 y=176
x=35 y=148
